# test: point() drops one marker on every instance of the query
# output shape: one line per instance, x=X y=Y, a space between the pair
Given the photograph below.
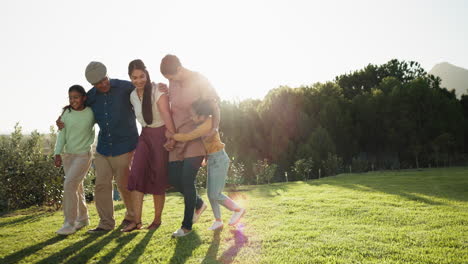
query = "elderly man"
x=117 y=140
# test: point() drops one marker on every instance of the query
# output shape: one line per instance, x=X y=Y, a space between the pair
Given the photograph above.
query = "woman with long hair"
x=149 y=173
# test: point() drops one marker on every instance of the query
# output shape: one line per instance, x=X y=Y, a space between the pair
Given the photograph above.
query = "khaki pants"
x=76 y=167
x=107 y=169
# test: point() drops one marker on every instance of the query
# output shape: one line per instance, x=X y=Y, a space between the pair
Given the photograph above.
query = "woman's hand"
x=58 y=161
x=169 y=134
x=170 y=143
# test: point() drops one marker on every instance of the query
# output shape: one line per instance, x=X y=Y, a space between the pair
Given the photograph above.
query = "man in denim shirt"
x=117 y=140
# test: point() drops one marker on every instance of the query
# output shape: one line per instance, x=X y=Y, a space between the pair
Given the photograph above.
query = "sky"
x=244 y=47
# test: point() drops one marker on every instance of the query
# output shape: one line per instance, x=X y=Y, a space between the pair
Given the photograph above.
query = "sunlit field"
x=381 y=217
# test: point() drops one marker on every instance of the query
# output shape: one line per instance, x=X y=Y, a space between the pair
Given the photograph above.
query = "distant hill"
x=453 y=77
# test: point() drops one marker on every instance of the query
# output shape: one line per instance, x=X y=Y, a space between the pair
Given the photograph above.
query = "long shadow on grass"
x=86 y=254
x=212 y=252
x=19 y=255
x=184 y=248
x=410 y=185
x=25 y=219
x=87 y=249
x=139 y=249
x=239 y=241
x=67 y=251
x=121 y=242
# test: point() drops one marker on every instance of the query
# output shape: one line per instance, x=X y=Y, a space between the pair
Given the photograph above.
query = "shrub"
x=202 y=176
x=28 y=174
x=235 y=174
x=360 y=164
x=264 y=171
x=332 y=165
x=303 y=168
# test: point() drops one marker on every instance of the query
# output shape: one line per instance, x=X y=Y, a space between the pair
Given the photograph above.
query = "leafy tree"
x=303 y=168
x=264 y=171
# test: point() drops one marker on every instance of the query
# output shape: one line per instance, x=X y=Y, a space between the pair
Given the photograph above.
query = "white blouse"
x=137 y=106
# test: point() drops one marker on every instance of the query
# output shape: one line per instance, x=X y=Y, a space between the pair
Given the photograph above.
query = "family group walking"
x=179 y=130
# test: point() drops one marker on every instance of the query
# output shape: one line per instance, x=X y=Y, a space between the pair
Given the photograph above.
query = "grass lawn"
x=383 y=217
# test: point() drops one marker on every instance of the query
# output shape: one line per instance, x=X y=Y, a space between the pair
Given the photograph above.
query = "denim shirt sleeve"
x=124 y=85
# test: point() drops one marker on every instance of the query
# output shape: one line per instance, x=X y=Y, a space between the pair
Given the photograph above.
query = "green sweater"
x=78 y=134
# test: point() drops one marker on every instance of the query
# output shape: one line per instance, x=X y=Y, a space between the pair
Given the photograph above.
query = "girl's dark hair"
x=74 y=88
x=169 y=64
x=146 y=105
x=203 y=107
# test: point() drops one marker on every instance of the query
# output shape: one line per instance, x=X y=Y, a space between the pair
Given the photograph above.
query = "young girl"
x=148 y=174
x=73 y=146
x=218 y=162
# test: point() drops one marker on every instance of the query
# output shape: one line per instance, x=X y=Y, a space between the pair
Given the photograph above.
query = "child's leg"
x=76 y=167
x=212 y=191
x=230 y=204
x=218 y=165
x=82 y=208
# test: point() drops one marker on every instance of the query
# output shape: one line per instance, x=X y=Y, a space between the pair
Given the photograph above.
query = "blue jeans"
x=218 y=166
x=182 y=175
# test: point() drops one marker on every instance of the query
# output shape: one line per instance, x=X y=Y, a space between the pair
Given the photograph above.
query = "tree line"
x=390 y=116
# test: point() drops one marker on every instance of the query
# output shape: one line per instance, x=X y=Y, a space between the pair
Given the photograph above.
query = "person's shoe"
x=132 y=226
x=180 y=233
x=196 y=215
x=236 y=216
x=97 y=230
x=66 y=229
x=81 y=224
x=216 y=225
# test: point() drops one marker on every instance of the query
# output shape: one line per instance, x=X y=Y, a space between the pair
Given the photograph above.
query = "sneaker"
x=180 y=233
x=196 y=215
x=216 y=225
x=81 y=224
x=66 y=229
x=236 y=216
x=97 y=230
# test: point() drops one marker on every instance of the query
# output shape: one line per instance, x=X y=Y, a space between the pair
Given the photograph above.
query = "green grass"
x=382 y=217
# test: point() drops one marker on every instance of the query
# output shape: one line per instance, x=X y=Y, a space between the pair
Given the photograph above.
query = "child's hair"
x=203 y=107
x=146 y=104
x=74 y=88
x=169 y=64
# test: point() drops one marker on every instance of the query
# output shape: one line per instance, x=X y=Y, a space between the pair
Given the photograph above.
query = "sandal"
x=125 y=222
x=130 y=228
x=153 y=226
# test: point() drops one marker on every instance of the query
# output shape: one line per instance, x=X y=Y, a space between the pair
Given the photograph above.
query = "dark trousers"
x=182 y=175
